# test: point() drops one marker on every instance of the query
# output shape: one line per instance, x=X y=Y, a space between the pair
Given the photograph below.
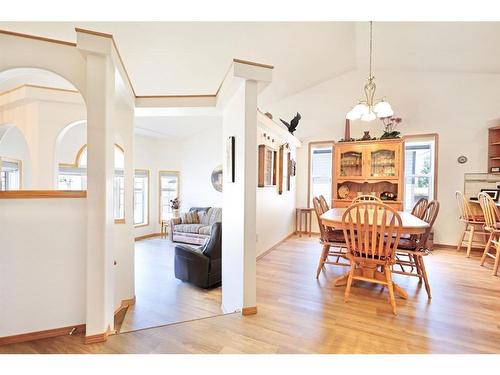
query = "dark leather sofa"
x=201 y=266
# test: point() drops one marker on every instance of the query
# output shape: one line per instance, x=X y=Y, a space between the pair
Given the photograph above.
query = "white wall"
x=200 y=155
x=42 y=272
x=458 y=106
x=155 y=154
x=275 y=212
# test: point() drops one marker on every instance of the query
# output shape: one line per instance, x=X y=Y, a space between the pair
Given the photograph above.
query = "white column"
x=100 y=221
x=238 y=208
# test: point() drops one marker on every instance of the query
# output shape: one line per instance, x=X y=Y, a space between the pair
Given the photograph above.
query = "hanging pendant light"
x=369 y=108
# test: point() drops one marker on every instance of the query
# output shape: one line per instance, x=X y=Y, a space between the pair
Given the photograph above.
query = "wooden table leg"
x=310 y=221
x=296 y=220
x=300 y=223
x=342 y=280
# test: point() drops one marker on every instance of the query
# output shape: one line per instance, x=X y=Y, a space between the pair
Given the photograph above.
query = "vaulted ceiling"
x=168 y=58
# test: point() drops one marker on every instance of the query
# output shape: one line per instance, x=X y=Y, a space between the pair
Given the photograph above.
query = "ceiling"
x=172 y=58
x=174 y=127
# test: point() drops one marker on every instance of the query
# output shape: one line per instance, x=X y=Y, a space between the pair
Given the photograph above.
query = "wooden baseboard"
x=251 y=310
x=30 y=336
x=275 y=246
x=94 y=339
x=436 y=246
x=146 y=236
x=124 y=304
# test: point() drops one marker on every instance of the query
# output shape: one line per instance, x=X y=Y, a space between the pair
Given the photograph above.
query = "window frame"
x=424 y=137
x=19 y=162
x=77 y=164
x=159 y=188
x=309 y=168
x=148 y=197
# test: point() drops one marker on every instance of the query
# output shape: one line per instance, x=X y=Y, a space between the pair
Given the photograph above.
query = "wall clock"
x=462 y=159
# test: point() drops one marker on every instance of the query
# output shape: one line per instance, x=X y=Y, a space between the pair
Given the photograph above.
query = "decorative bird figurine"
x=292 y=126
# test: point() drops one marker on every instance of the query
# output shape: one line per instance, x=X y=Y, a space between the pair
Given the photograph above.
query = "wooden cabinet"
x=368 y=167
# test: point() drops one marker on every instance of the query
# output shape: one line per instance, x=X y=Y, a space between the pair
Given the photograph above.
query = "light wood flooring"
x=299 y=314
x=161 y=298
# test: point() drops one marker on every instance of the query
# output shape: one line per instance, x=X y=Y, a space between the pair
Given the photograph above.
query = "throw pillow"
x=190 y=218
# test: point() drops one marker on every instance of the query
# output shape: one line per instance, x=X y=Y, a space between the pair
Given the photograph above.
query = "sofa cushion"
x=188 y=228
x=190 y=217
x=205 y=230
x=213 y=215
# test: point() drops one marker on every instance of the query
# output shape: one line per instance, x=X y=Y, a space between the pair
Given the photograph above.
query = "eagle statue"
x=292 y=126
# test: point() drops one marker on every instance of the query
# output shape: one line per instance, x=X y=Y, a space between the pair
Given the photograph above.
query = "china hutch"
x=369 y=167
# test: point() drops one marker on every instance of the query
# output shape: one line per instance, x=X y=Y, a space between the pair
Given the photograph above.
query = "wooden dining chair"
x=492 y=226
x=473 y=224
x=324 y=203
x=418 y=209
x=411 y=251
x=332 y=240
x=366 y=197
x=365 y=226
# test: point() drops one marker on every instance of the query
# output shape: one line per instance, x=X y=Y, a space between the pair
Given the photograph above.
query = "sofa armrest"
x=173 y=222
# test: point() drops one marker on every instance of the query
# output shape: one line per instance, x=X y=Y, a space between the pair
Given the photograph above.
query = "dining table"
x=410 y=224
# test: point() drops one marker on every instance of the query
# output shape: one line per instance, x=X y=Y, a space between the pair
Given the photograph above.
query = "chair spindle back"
x=490 y=210
x=419 y=209
x=464 y=207
x=366 y=225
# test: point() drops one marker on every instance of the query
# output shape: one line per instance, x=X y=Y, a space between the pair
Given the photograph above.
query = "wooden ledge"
x=92 y=32
x=253 y=63
x=34 y=194
x=43 y=39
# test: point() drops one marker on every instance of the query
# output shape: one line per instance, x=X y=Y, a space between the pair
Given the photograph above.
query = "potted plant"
x=175 y=204
x=390 y=124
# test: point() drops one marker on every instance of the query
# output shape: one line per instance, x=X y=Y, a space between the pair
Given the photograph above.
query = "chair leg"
x=349 y=281
x=390 y=286
x=322 y=259
x=486 y=249
x=497 y=260
x=417 y=266
x=461 y=239
x=471 y=238
x=420 y=261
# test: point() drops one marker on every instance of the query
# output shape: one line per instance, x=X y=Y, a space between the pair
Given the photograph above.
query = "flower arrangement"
x=390 y=124
x=175 y=203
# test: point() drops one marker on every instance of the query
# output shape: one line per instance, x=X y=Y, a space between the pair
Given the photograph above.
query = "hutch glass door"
x=383 y=163
x=351 y=164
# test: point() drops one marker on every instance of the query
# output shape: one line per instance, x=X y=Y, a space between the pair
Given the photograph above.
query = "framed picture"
x=493 y=193
x=230 y=153
x=267 y=166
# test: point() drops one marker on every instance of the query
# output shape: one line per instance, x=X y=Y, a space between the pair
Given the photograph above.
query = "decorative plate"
x=343 y=191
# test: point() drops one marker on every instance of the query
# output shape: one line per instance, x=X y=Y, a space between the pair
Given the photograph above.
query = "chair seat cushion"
x=334 y=235
x=407 y=244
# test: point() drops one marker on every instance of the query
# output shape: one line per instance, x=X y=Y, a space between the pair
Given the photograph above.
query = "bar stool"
x=474 y=224
x=305 y=213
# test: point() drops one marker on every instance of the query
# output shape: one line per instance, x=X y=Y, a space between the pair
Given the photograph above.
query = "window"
x=74 y=177
x=420 y=155
x=141 y=197
x=320 y=166
x=10 y=174
x=169 y=189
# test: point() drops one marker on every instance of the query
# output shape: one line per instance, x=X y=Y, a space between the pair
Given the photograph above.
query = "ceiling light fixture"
x=370 y=108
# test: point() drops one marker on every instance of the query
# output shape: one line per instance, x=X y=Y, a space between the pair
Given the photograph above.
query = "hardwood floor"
x=299 y=314
x=161 y=298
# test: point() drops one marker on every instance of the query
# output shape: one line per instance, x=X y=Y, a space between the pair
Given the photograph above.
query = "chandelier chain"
x=371 y=46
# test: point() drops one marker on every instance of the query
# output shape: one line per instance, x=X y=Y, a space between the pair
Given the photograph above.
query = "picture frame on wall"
x=230 y=155
x=267 y=166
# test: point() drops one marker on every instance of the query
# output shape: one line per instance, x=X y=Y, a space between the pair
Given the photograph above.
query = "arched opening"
x=41 y=104
x=15 y=159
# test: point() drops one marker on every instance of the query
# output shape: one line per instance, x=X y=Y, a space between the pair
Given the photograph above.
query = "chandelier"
x=369 y=108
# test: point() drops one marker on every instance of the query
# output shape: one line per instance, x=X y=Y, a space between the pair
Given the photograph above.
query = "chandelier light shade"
x=369 y=108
